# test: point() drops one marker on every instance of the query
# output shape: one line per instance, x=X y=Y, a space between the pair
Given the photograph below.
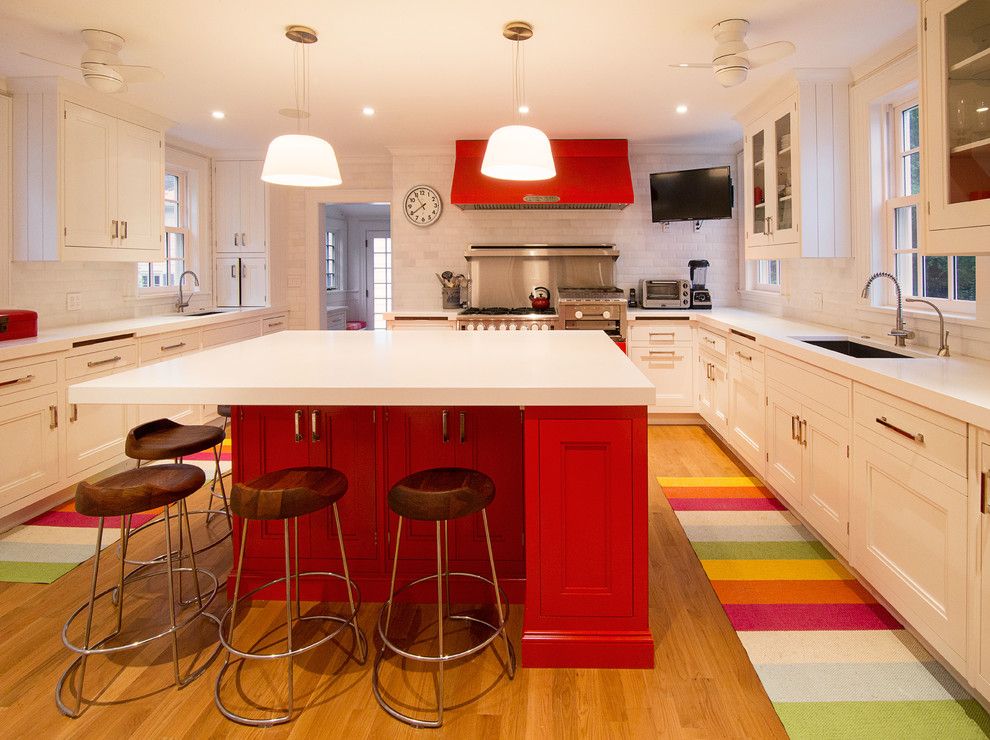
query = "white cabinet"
x=336 y=318
x=239 y=207
x=785 y=453
x=664 y=352
x=89 y=174
x=796 y=169
x=955 y=95
x=979 y=512
x=228 y=282
x=713 y=396
x=29 y=440
x=826 y=476
x=241 y=281
x=747 y=404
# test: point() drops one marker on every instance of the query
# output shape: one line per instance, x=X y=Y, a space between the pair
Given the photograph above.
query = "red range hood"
x=592 y=174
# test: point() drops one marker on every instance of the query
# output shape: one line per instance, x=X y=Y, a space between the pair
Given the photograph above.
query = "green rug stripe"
x=13 y=571
x=894 y=719
x=761 y=551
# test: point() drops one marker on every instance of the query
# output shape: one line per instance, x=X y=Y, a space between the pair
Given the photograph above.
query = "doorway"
x=356 y=248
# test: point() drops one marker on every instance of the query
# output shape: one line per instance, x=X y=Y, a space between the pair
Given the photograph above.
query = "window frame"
x=763 y=272
x=183 y=203
x=332 y=262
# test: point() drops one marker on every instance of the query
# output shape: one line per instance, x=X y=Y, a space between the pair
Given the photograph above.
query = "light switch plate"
x=73 y=301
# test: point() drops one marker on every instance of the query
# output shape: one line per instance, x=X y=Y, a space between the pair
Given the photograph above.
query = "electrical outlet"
x=665 y=227
x=73 y=302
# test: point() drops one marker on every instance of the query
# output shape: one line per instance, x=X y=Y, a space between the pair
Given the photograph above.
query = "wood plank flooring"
x=703 y=686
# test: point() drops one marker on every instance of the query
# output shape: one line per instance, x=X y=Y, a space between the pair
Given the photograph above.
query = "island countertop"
x=370 y=368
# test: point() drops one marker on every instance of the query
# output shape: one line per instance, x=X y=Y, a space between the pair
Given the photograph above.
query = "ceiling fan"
x=101 y=66
x=732 y=59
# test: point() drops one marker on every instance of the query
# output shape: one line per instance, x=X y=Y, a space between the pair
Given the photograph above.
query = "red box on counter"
x=17 y=324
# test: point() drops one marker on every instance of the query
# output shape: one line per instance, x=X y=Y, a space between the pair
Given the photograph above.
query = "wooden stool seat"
x=441 y=494
x=164 y=439
x=138 y=490
x=288 y=493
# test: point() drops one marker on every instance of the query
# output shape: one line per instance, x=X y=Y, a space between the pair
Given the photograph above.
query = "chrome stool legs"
x=89 y=648
x=442 y=579
x=229 y=617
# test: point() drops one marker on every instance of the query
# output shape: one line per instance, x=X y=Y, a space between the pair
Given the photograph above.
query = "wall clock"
x=422 y=205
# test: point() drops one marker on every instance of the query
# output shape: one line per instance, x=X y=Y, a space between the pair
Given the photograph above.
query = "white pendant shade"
x=301 y=161
x=518 y=153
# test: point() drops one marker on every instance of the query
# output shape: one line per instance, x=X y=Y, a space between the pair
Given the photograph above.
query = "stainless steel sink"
x=203 y=313
x=851 y=348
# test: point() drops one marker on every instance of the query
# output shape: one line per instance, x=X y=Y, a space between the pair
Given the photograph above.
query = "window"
x=381 y=255
x=949 y=280
x=332 y=244
x=166 y=273
x=767 y=275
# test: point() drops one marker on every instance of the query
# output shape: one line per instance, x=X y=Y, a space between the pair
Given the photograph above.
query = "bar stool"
x=164 y=439
x=223 y=412
x=283 y=495
x=122 y=495
x=441 y=495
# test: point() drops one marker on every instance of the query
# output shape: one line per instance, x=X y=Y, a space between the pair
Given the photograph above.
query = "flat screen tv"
x=691 y=195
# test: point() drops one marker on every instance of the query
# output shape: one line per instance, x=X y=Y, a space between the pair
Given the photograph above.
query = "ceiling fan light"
x=518 y=153
x=102 y=78
x=731 y=76
x=303 y=161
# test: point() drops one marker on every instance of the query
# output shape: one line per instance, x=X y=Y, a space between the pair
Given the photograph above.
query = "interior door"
x=379 y=249
x=89 y=178
x=227 y=206
x=254 y=281
x=228 y=282
x=784 y=450
x=139 y=187
x=826 y=476
x=252 y=207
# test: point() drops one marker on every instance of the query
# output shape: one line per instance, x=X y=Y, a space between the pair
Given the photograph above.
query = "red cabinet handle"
x=463 y=427
x=314 y=424
x=445 y=432
x=297 y=419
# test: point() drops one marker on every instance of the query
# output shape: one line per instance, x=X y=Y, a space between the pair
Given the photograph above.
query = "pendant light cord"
x=300 y=76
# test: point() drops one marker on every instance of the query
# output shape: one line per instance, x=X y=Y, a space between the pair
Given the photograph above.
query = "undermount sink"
x=851 y=348
x=202 y=313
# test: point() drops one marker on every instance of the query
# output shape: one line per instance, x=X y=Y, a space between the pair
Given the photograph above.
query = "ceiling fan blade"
x=691 y=66
x=759 y=56
x=139 y=73
x=52 y=61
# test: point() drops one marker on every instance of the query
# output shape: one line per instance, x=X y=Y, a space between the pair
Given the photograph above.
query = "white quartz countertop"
x=62 y=338
x=369 y=368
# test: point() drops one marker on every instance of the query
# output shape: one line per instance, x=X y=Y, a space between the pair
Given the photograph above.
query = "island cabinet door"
x=344 y=437
x=490 y=440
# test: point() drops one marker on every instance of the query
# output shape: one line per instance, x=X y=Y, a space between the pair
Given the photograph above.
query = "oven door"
x=662 y=292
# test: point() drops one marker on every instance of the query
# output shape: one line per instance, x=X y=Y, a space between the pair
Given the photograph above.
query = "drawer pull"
x=15 y=381
x=803 y=431
x=73 y=412
x=116 y=230
x=710 y=341
x=984 y=504
x=166 y=347
x=445 y=432
x=919 y=438
x=662 y=334
x=97 y=363
x=748 y=358
x=274 y=324
x=314 y=424
x=794 y=432
x=53 y=417
x=670 y=352
x=297 y=424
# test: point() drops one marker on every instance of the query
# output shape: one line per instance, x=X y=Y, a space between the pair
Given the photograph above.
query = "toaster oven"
x=665 y=294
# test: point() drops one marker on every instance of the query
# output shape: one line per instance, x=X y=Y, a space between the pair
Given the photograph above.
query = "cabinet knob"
x=579 y=314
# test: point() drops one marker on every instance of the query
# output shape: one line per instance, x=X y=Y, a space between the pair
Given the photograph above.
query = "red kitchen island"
x=558 y=421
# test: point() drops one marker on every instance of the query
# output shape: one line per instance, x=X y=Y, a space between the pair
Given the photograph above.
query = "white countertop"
x=61 y=338
x=370 y=368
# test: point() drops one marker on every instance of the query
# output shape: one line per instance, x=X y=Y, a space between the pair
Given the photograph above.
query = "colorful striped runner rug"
x=47 y=547
x=834 y=662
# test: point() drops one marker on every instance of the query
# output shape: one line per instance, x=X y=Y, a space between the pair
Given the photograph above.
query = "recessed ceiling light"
x=982 y=109
x=368 y=110
x=524 y=109
x=682 y=64
x=682 y=109
x=219 y=114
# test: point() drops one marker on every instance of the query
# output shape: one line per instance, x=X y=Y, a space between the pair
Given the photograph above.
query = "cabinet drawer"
x=274 y=323
x=109 y=358
x=163 y=346
x=712 y=342
x=746 y=357
x=830 y=393
x=659 y=332
x=921 y=431
x=230 y=333
x=670 y=370
x=27 y=377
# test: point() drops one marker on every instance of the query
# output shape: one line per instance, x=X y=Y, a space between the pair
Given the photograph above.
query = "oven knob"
x=469 y=327
x=579 y=314
x=606 y=314
x=512 y=327
x=502 y=327
x=545 y=327
x=532 y=327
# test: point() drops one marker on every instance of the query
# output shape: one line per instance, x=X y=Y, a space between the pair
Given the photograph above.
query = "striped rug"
x=834 y=662
x=47 y=547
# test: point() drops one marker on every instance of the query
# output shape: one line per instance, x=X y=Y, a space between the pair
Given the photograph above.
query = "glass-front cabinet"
x=768 y=156
x=956 y=114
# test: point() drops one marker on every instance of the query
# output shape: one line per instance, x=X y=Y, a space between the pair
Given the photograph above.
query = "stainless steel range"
x=501 y=318
x=601 y=309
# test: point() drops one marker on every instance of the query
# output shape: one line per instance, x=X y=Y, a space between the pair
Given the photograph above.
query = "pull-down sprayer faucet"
x=899 y=333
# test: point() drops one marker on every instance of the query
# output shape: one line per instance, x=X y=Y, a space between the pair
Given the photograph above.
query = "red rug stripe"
x=789 y=617
x=72 y=519
x=726 y=504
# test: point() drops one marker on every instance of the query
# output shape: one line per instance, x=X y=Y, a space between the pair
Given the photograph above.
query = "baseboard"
x=687 y=418
x=587 y=650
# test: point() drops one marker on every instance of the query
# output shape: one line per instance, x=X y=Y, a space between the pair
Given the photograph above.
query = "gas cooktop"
x=505 y=311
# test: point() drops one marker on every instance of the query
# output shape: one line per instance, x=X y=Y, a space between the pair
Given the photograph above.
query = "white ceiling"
x=437 y=70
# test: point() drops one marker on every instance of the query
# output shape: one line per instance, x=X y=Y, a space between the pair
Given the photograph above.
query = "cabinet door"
x=783 y=197
x=228 y=282
x=490 y=440
x=826 y=476
x=784 y=450
x=670 y=370
x=747 y=413
x=416 y=440
x=980 y=670
x=720 y=397
x=909 y=541
x=140 y=182
x=94 y=434
x=89 y=186
x=29 y=440
x=252 y=207
x=227 y=206
x=254 y=281
x=957 y=124
x=755 y=150
x=706 y=389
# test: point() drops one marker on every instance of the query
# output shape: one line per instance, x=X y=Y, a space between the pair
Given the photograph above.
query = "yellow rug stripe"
x=739 y=481
x=776 y=570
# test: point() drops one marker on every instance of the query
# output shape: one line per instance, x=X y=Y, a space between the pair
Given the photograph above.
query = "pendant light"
x=301 y=160
x=517 y=151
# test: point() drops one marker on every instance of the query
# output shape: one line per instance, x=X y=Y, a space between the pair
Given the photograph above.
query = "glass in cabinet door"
x=967 y=61
x=782 y=144
x=759 y=183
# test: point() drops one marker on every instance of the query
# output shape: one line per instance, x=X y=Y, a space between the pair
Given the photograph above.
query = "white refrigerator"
x=242 y=281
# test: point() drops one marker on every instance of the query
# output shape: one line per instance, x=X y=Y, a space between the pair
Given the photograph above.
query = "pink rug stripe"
x=788 y=617
x=726 y=504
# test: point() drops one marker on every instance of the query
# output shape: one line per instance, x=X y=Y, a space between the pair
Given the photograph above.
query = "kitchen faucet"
x=180 y=304
x=899 y=333
x=943 y=335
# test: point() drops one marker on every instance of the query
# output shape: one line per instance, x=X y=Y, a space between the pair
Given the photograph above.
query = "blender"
x=700 y=296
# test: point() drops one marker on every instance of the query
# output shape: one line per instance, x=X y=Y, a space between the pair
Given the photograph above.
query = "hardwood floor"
x=703 y=686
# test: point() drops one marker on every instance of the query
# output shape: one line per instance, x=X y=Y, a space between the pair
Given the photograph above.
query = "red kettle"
x=540 y=298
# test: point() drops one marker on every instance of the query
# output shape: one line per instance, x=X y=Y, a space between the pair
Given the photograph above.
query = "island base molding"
x=587 y=650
